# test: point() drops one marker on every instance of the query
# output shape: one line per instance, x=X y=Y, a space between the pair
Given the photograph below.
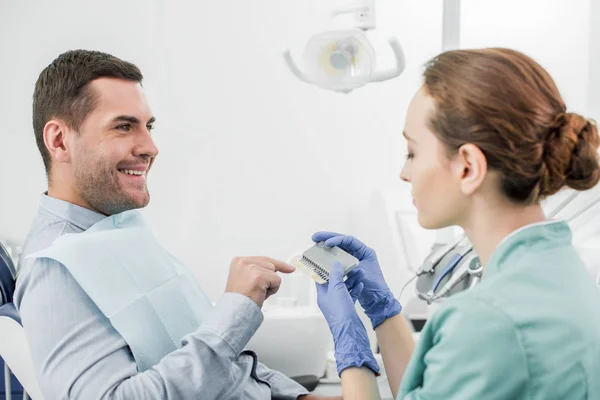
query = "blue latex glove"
x=352 y=348
x=376 y=297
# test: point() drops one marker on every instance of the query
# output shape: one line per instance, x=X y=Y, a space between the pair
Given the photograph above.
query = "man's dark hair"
x=63 y=89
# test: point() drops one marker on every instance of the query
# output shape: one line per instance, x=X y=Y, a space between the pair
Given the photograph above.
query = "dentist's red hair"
x=506 y=104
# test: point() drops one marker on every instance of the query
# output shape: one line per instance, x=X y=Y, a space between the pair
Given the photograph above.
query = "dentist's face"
x=435 y=190
x=113 y=150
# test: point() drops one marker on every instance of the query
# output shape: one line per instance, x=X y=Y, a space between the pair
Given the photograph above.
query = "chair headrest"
x=7 y=280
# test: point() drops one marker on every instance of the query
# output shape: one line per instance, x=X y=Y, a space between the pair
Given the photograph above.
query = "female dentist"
x=488 y=137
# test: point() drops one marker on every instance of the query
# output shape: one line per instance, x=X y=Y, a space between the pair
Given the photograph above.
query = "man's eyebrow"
x=132 y=119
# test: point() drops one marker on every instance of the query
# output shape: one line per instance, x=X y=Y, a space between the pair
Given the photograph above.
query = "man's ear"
x=469 y=166
x=55 y=139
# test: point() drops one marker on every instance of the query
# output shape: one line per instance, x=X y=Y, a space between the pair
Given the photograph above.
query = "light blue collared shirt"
x=529 y=330
x=77 y=354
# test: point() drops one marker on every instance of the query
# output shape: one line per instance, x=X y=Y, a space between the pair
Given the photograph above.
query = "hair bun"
x=570 y=155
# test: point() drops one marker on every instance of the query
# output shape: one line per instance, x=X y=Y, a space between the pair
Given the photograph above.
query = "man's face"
x=114 y=151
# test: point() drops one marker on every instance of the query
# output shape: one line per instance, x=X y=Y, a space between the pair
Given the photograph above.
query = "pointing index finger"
x=280 y=266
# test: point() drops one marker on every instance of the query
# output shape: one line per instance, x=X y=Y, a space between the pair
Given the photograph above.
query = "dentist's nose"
x=404 y=174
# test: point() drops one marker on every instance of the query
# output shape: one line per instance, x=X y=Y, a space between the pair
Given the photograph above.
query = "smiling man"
x=103 y=165
x=93 y=126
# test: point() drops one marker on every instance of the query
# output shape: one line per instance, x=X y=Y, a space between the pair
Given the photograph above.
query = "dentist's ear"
x=55 y=139
x=470 y=167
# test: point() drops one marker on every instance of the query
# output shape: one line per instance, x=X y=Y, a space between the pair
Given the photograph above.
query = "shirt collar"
x=538 y=236
x=79 y=216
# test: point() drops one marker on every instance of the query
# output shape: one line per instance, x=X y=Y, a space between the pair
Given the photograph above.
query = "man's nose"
x=146 y=146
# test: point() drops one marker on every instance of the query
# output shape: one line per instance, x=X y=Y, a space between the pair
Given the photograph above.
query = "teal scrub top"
x=529 y=330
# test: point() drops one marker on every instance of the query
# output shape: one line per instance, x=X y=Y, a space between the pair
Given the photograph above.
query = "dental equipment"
x=457 y=268
x=317 y=261
x=343 y=60
x=435 y=257
x=453 y=260
x=475 y=270
x=450 y=267
x=292 y=339
x=457 y=277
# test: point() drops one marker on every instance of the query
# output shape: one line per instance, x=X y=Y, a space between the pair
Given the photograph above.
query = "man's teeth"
x=132 y=172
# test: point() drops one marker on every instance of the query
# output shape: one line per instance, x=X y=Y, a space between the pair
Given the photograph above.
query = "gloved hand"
x=376 y=298
x=352 y=348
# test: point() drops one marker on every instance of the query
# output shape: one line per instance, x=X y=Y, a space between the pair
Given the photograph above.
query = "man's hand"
x=256 y=277
x=311 y=397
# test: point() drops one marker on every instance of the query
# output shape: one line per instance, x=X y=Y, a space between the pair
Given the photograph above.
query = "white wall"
x=556 y=33
x=594 y=65
x=253 y=161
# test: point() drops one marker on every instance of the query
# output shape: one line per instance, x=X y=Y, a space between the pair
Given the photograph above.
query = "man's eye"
x=124 y=128
x=409 y=156
x=150 y=127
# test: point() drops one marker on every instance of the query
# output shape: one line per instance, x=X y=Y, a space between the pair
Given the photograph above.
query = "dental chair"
x=14 y=349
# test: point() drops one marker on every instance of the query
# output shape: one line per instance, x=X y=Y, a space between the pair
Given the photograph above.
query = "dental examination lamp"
x=343 y=60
